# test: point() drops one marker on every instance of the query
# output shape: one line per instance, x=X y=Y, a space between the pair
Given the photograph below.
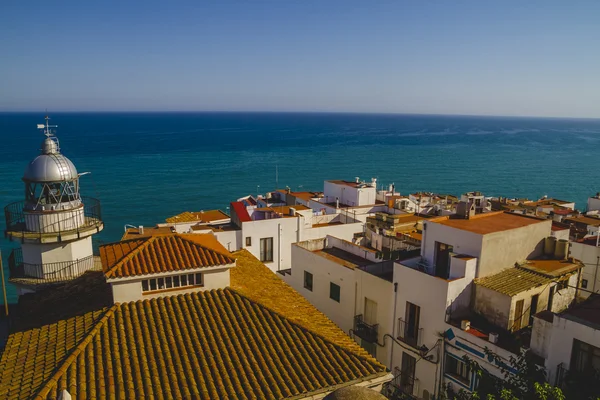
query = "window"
x=585 y=358
x=248 y=241
x=442 y=259
x=584 y=283
x=150 y=285
x=266 y=249
x=334 y=292
x=308 y=280
x=457 y=369
x=409 y=327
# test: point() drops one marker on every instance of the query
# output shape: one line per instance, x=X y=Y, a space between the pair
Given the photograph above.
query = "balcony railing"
x=49 y=272
x=365 y=331
x=403 y=386
x=409 y=333
x=561 y=375
x=66 y=222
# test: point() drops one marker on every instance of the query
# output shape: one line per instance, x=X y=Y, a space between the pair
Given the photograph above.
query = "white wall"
x=464 y=242
x=561 y=342
x=130 y=289
x=349 y=195
x=593 y=203
x=284 y=232
x=541 y=333
x=57 y=252
x=590 y=257
x=325 y=271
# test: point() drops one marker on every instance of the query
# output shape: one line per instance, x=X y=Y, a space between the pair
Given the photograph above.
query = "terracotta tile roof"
x=257 y=339
x=490 y=222
x=512 y=281
x=202 y=216
x=158 y=254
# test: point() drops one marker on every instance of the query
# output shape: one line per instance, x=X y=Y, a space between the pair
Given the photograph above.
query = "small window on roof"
x=152 y=284
x=198 y=279
x=145 y=286
x=176 y=281
x=183 y=279
x=168 y=282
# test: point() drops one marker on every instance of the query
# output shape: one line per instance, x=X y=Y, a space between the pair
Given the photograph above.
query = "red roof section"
x=240 y=210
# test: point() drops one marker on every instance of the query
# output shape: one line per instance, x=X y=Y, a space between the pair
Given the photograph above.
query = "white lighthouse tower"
x=54 y=224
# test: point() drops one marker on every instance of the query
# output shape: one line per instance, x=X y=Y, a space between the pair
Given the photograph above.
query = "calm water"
x=146 y=167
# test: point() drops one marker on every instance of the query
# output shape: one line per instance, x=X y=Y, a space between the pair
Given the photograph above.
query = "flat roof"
x=552 y=268
x=347 y=183
x=490 y=222
x=343 y=257
x=198 y=216
x=586 y=312
x=584 y=220
x=147 y=231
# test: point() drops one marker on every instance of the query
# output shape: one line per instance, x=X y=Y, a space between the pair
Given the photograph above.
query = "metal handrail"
x=47 y=272
x=409 y=336
x=16 y=223
x=365 y=331
x=405 y=383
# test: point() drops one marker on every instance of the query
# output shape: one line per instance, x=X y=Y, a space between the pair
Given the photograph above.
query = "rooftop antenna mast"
x=46 y=127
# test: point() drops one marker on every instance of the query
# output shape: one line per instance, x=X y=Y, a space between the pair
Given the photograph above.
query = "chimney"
x=141 y=229
x=337 y=202
x=292 y=211
x=357 y=179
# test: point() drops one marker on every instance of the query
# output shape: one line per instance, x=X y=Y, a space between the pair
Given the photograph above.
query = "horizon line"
x=290 y=112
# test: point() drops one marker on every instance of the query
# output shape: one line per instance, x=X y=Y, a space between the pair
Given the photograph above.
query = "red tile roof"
x=239 y=209
x=158 y=254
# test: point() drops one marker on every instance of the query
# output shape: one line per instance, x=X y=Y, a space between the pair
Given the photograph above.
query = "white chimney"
x=337 y=202
x=357 y=179
x=141 y=229
x=493 y=337
x=292 y=211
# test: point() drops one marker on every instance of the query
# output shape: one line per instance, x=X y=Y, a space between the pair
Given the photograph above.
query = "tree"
x=528 y=383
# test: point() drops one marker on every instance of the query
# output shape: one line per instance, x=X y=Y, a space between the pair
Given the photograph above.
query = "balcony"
x=43 y=274
x=369 y=333
x=410 y=334
x=403 y=386
x=51 y=226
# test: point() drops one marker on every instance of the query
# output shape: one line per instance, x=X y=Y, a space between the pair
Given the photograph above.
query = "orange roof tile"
x=158 y=254
x=258 y=339
x=489 y=222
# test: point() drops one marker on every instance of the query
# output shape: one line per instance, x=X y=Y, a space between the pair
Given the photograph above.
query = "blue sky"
x=537 y=58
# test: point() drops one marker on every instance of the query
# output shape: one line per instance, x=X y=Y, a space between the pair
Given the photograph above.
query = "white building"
x=569 y=342
x=438 y=293
x=587 y=250
x=357 y=193
x=54 y=224
x=593 y=203
x=348 y=284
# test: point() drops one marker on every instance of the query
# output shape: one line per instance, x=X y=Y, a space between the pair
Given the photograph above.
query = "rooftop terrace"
x=492 y=222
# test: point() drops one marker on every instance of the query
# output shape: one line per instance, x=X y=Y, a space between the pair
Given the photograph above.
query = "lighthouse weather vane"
x=47 y=127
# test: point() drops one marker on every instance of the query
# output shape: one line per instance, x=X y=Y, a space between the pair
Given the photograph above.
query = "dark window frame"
x=308 y=281
x=334 y=294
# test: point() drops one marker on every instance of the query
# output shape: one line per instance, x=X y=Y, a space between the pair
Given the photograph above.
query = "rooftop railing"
x=49 y=272
x=16 y=222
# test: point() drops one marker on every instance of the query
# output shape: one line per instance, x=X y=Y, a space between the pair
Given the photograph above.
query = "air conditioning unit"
x=493 y=337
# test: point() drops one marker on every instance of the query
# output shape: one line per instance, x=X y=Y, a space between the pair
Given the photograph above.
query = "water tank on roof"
x=562 y=249
x=549 y=246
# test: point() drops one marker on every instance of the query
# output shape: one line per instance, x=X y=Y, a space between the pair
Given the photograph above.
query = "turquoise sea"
x=148 y=166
